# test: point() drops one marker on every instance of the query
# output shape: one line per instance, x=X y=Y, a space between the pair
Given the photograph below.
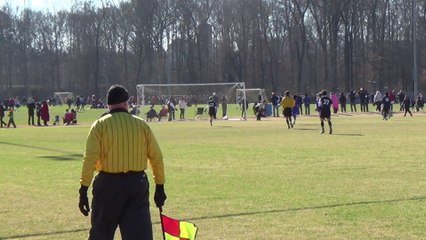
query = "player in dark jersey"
x=212 y=109
x=386 y=106
x=325 y=113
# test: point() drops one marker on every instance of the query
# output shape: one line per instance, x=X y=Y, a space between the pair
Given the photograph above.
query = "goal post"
x=196 y=95
x=61 y=97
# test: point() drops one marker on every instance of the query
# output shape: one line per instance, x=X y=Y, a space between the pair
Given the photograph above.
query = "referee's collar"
x=115 y=110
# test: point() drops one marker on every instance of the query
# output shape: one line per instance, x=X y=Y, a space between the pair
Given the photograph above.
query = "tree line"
x=297 y=45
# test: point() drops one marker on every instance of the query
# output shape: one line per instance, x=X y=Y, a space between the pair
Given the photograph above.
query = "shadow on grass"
x=337 y=134
x=310 y=208
x=239 y=215
x=66 y=155
x=305 y=129
x=349 y=134
x=44 y=234
x=222 y=126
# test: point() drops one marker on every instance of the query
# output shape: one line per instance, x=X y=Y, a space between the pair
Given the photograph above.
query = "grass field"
x=236 y=180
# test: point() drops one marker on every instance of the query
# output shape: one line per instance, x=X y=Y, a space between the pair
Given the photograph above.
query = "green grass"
x=235 y=180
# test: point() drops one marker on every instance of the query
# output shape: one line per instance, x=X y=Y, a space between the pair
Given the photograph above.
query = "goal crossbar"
x=190 y=84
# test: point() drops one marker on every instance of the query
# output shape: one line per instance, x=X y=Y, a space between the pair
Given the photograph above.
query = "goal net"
x=252 y=94
x=196 y=96
x=61 y=97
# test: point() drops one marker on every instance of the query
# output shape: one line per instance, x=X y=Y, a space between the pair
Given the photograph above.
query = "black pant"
x=121 y=200
x=11 y=121
x=307 y=109
x=31 y=119
x=407 y=110
x=2 y=122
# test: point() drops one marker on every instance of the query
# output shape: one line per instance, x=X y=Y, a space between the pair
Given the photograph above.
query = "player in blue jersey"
x=386 y=101
x=325 y=113
x=212 y=109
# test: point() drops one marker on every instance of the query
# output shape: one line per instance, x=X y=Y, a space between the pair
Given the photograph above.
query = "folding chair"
x=200 y=113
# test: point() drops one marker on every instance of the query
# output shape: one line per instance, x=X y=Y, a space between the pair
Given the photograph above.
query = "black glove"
x=159 y=196
x=83 y=203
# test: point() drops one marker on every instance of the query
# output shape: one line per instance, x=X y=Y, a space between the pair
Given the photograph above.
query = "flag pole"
x=161 y=220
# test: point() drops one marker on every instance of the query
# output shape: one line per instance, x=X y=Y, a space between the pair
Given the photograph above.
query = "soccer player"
x=212 y=109
x=287 y=104
x=386 y=101
x=407 y=105
x=325 y=113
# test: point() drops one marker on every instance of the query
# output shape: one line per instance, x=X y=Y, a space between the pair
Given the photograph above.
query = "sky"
x=48 y=5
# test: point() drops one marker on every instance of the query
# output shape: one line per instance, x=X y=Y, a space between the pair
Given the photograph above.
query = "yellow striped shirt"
x=287 y=102
x=119 y=142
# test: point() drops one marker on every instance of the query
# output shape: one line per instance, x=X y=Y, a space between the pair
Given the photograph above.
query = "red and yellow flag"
x=177 y=230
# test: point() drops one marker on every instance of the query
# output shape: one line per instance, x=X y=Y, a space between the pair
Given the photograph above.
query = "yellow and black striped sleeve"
x=120 y=142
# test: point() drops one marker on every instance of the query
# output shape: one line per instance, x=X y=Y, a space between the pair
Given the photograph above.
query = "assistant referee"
x=120 y=146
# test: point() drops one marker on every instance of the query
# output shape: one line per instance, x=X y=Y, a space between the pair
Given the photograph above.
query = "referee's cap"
x=117 y=94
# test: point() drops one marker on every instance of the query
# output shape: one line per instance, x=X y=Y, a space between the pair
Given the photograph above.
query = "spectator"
x=38 y=113
x=163 y=113
x=151 y=114
x=45 y=113
x=224 y=101
x=244 y=107
x=11 y=119
x=31 y=109
x=342 y=100
x=335 y=102
x=171 y=109
x=74 y=116
x=401 y=97
x=135 y=111
x=275 y=100
x=378 y=98
x=307 y=103
x=67 y=118
x=182 y=107
x=2 y=112
x=352 y=101
x=56 y=120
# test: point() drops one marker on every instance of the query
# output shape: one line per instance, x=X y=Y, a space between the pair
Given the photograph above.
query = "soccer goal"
x=61 y=97
x=252 y=94
x=196 y=95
